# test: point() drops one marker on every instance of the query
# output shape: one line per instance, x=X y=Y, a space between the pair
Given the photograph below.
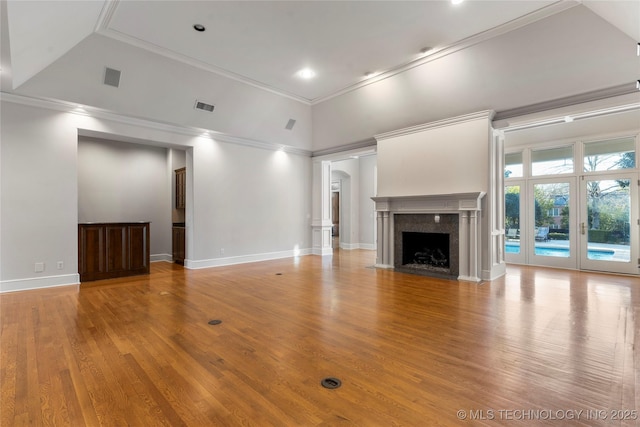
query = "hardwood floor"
x=528 y=349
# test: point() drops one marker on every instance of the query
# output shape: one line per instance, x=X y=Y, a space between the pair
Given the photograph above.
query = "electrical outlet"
x=39 y=267
x=60 y=265
x=221 y=251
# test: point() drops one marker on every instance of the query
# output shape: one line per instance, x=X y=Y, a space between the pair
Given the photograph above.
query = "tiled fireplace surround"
x=418 y=214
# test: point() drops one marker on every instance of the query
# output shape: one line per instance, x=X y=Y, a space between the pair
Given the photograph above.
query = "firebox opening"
x=425 y=250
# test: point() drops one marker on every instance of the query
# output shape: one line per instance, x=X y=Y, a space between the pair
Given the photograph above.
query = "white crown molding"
x=102 y=28
x=148 y=124
x=481 y=115
x=106 y=14
x=359 y=148
x=603 y=95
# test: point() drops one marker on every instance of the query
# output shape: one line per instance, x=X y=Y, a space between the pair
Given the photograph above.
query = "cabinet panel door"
x=116 y=248
x=139 y=247
x=181 y=181
x=91 y=250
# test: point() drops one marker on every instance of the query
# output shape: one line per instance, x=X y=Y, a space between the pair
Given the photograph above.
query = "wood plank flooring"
x=537 y=347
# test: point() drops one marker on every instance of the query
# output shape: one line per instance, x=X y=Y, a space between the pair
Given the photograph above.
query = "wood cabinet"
x=108 y=250
x=178 y=244
x=181 y=186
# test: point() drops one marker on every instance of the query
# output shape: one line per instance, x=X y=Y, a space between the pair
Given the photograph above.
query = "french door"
x=608 y=229
x=550 y=233
x=588 y=223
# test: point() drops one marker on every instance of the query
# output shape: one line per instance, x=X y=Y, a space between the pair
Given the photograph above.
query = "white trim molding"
x=220 y=262
x=487 y=114
x=39 y=283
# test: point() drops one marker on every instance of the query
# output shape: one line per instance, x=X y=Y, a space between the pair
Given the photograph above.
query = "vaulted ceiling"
x=250 y=52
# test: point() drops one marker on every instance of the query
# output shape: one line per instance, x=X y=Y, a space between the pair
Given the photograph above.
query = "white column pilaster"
x=321 y=208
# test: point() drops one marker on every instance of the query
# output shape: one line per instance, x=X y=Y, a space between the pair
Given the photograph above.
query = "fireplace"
x=456 y=216
x=426 y=244
x=425 y=250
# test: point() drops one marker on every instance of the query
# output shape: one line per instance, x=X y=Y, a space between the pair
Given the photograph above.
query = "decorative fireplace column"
x=466 y=205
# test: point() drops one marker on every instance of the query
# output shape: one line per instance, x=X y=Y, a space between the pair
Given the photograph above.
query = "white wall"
x=249 y=204
x=367 y=207
x=254 y=203
x=122 y=182
x=440 y=160
x=39 y=197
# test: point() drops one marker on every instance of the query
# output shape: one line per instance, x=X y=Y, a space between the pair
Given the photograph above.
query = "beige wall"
x=438 y=160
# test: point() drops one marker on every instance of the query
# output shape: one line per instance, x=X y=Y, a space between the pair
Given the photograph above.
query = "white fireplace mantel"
x=437 y=203
x=466 y=205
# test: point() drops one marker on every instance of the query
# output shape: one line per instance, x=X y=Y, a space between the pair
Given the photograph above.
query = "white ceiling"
x=265 y=43
x=268 y=42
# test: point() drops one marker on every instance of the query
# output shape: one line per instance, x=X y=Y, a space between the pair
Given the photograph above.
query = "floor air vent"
x=204 y=106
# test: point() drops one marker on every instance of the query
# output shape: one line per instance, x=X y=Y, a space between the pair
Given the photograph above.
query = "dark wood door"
x=178 y=244
x=335 y=213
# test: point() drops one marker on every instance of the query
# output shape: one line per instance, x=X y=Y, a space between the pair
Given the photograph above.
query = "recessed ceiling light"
x=306 y=73
x=369 y=74
x=456 y=1
x=568 y=119
x=425 y=50
x=199 y=27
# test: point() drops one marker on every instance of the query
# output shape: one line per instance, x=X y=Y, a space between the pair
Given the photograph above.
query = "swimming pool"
x=600 y=254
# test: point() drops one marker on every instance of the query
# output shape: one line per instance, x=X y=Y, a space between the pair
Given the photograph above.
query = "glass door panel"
x=608 y=223
x=514 y=251
x=552 y=242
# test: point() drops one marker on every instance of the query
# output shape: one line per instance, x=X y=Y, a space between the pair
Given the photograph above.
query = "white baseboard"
x=498 y=270
x=161 y=257
x=352 y=246
x=39 y=282
x=322 y=252
x=219 y=262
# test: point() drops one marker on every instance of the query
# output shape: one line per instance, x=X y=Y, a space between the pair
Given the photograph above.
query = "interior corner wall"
x=125 y=182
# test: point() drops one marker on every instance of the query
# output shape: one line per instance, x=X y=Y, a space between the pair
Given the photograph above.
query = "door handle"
x=582 y=228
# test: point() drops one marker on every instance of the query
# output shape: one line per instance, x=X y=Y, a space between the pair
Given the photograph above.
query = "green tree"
x=512 y=210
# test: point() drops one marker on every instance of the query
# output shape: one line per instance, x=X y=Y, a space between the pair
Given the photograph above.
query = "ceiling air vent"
x=204 y=106
x=290 y=124
x=112 y=77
